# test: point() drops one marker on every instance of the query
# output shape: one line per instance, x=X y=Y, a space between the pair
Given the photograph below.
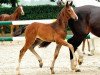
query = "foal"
x=53 y=32
x=14 y=16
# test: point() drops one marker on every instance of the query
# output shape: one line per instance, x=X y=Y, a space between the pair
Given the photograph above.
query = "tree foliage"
x=12 y=2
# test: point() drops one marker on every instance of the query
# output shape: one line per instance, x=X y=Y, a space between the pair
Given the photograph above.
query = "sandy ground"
x=9 y=52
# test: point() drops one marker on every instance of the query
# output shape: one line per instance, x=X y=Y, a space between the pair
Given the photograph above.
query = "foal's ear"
x=71 y=3
x=19 y=5
x=67 y=4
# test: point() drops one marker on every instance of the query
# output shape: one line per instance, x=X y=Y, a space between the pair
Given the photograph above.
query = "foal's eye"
x=69 y=10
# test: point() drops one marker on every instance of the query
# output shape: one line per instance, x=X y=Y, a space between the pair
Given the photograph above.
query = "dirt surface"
x=9 y=52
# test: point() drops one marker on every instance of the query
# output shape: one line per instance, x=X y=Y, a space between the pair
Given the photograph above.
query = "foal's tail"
x=19 y=31
x=44 y=44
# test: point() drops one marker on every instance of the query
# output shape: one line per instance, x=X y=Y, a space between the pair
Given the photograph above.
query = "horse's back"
x=88 y=16
x=4 y=17
x=40 y=27
x=41 y=30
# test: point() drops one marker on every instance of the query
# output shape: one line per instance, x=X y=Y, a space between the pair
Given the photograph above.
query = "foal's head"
x=68 y=11
x=20 y=10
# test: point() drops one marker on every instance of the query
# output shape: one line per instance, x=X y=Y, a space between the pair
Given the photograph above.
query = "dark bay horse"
x=53 y=32
x=14 y=16
x=88 y=21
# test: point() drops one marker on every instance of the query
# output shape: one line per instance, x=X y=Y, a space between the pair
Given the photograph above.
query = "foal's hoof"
x=78 y=70
x=80 y=63
x=52 y=71
x=41 y=64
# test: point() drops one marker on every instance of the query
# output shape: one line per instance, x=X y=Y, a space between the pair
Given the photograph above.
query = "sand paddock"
x=9 y=52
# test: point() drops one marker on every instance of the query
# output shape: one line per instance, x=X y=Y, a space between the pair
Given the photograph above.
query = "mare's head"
x=68 y=11
x=19 y=10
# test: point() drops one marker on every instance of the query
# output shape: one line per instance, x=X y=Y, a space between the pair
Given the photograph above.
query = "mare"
x=14 y=16
x=88 y=21
x=52 y=32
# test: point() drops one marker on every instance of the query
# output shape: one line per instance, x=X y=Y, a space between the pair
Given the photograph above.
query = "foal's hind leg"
x=55 y=57
x=22 y=52
x=37 y=56
x=27 y=45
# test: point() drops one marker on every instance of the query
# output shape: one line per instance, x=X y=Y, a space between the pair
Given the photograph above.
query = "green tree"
x=52 y=0
x=12 y=2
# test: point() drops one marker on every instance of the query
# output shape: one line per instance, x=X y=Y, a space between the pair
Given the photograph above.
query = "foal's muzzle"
x=76 y=18
x=22 y=13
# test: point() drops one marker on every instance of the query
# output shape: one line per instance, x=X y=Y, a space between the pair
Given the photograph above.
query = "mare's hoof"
x=41 y=64
x=78 y=70
x=90 y=55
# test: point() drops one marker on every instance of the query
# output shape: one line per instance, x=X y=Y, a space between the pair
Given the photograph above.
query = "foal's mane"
x=16 y=10
x=16 y=14
x=62 y=19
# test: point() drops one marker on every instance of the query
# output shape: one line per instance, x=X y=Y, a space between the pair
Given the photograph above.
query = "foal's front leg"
x=65 y=43
x=55 y=57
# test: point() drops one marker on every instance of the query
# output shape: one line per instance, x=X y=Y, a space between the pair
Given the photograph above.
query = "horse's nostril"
x=22 y=13
x=76 y=18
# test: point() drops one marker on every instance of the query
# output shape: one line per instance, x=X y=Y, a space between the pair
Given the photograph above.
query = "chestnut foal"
x=14 y=16
x=53 y=32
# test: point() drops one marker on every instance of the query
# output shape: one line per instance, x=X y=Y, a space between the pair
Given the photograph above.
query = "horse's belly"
x=44 y=38
x=96 y=31
x=46 y=34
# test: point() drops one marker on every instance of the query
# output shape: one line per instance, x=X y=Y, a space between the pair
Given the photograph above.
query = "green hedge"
x=35 y=12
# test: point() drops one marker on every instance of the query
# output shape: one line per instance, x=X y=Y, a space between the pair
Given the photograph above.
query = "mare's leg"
x=88 y=43
x=92 y=51
x=83 y=46
x=55 y=57
x=76 y=40
x=91 y=47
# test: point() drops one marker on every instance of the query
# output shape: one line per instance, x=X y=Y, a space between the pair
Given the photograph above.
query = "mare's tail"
x=19 y=31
